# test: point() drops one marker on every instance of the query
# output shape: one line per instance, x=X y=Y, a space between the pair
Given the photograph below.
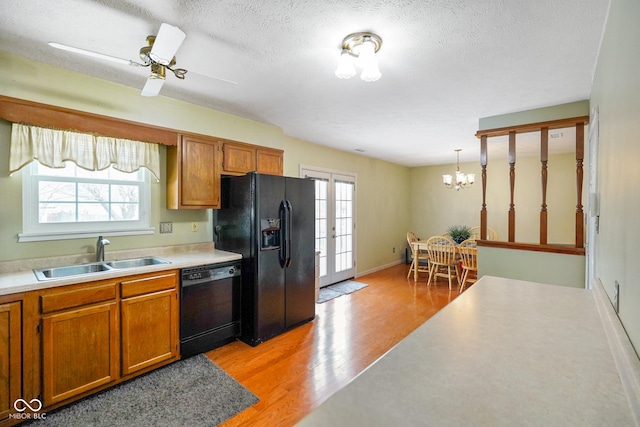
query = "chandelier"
x=462 y=180
x=359 y=49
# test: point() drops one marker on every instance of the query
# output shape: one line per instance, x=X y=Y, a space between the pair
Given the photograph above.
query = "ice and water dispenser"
x=270 y=228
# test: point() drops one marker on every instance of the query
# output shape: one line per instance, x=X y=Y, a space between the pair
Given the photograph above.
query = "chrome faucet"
x=100 y=244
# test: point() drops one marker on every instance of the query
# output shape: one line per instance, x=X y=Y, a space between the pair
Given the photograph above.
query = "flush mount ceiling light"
x=359 y=49
x=462 y=180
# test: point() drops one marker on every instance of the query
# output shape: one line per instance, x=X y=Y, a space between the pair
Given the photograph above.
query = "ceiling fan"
x=159 y=54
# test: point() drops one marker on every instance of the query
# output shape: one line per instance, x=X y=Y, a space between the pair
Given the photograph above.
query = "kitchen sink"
x=95 y=267
x=135 y=262
x=70 y=270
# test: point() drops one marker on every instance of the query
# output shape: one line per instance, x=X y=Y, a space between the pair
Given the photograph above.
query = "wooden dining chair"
x=468 y=261
x=442 y=257
x=417 y=255
x=474 y=233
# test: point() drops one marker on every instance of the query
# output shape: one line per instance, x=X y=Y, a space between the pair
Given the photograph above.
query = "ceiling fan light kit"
x=359 y=49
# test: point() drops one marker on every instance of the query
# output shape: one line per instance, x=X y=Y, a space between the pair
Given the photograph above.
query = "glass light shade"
x=346 y=68
x=447 y=179
x=371 y=73
x=368 y=61
x=461 y=178
x=471 y=178
x=367 y=55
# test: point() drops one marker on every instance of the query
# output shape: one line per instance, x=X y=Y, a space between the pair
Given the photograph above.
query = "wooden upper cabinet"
x=193 y=173
x=195 y=164
x=238 y=158
x=270 y=161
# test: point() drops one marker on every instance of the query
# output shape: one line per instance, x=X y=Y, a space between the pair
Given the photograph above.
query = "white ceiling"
x=444 y=63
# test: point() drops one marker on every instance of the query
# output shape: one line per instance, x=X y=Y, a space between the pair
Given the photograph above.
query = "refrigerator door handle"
x=287 y=226
x=284 y=254
x=282 y=235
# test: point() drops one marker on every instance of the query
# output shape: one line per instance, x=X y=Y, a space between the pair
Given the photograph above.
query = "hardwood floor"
x=295 y=372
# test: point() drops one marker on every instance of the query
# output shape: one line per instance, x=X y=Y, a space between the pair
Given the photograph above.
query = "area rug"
x=334 y=291
x=193 y=392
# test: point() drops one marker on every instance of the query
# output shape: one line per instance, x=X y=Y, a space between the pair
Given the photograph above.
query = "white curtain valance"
x=52 y=147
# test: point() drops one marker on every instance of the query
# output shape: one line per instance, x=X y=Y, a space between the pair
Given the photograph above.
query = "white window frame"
x=34 y=231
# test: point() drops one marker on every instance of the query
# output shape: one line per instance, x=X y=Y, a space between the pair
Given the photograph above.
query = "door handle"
x=287 y=227
x=286 y=211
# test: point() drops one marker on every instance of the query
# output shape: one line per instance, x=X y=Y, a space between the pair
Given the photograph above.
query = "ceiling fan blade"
x=152 y=87
x=93 y=54
x=166 y=44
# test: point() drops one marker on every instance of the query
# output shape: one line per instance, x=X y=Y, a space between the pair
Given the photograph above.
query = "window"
x=71 y=202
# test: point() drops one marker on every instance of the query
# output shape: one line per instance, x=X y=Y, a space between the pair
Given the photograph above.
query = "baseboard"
x=382 y=267
x=624 y=355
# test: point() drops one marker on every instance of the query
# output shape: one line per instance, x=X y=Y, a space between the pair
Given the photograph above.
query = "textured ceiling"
x=444 y=63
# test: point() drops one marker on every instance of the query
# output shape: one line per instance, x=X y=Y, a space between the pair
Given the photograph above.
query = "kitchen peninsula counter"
x=18 y=276
x=506 y=352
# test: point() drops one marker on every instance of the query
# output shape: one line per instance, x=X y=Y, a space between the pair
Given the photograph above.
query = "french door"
x=335 y=223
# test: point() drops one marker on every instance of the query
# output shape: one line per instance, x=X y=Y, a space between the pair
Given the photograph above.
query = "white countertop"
x=506 y=352
x=21 y=278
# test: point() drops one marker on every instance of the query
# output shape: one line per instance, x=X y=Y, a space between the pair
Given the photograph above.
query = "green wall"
x=382 y=187
x=382 y=195
x=545 y=114
x=434 y=208
x=533 y=266
x=616 y=94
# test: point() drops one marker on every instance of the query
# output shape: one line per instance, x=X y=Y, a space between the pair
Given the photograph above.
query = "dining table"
x=417 y=245
x=422 y=245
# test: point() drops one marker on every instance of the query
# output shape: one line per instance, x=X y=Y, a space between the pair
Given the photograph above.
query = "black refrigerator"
x=270 y=220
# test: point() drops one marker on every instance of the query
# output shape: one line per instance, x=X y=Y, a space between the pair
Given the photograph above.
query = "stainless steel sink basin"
x=135 y=262
x=95 y=267
x=70 y=270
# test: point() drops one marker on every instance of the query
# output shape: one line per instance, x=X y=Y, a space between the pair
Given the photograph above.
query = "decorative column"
x=579 y=180
x=544 y=158
x=483 y=211
x=512 y=185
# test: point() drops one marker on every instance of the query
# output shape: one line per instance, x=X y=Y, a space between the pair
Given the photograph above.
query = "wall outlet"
x=166 y=227
x=616 y=296
x=394 y=249
x=194 y=226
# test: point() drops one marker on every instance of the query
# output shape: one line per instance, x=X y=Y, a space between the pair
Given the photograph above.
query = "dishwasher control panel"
x=209 y=273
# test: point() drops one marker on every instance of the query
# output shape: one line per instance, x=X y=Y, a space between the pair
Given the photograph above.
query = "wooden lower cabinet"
x=98 y=334
x=149 y=322
x=10 y=356
x=79 y=351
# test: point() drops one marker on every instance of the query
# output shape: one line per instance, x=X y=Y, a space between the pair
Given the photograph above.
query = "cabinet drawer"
x=74 y=298
x=148 y=284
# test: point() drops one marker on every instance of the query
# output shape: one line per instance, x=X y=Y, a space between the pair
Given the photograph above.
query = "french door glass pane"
x=321 y=223
x=343 y=202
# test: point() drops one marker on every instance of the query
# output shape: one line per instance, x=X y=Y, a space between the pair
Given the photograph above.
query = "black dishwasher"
x=209 y=307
